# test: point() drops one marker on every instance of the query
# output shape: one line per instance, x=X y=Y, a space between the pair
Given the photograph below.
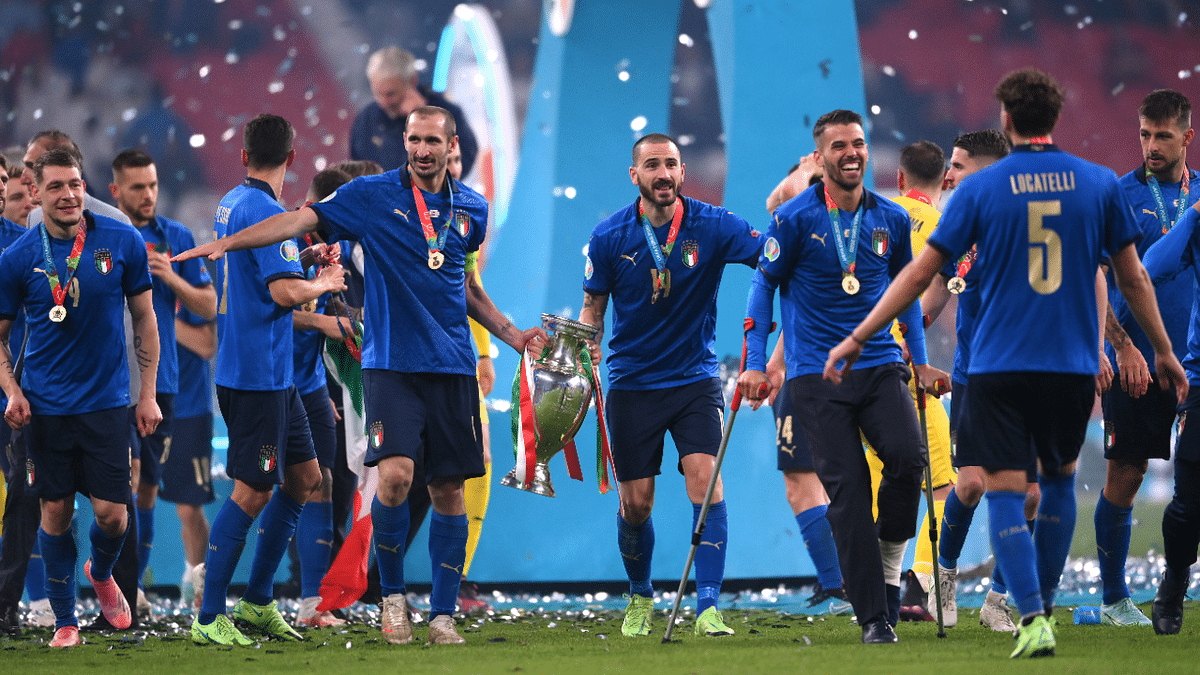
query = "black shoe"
x=914 y=595
x=821 y=595
x=893 y=603
x=10 y=620
x=878 y=631
x=1166 y=613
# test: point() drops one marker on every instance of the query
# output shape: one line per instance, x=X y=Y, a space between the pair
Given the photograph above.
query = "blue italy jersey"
x=415 y=318
x=79 y=365
x=668 y=338
x=254 y=348
x=801 y=257
x=1174 y=297
x=169 y=237
x=195 y=377
x=9 y=233
x=308 y=344
x=1042 y=220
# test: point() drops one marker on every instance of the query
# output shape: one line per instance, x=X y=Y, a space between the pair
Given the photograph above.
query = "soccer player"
x=72 y=278
x=269 y=439
x=1042 y=220
x=421 y=232
x=1138 y=418
x=833 y=249
x=135 y=189
x=662 y=367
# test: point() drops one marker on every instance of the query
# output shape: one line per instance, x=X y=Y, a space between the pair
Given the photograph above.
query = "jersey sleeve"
x=743 y=243
x=902 y=254
x=341 y=213
x=955 y=231
x=11 y=290
x=478 y=231
x=1122 y=228
x=279 y=261
x=193 y=271
x=136 y=276
x=778 y=252
x=597 y=269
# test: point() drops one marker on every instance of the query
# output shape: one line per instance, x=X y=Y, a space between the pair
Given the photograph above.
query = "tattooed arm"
x=146 y=349
x=1132 y=370
x=17 y=413
x=594 y=307
x=481 y=308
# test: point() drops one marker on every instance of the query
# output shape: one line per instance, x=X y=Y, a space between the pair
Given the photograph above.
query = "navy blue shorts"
x=431 y=418
x=151 y=448
x=322 y=425
x=1138 y=429
x=958 y=420
x=790 y=442
x=1016 y=418
x=268 y=431
x=86 y=453
x=638 y=422
x=187 y=464
x=1187 y=447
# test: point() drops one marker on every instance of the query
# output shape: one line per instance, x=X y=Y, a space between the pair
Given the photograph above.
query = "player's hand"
x=160 y=266
x=1134 y=374
x=148 y=415
x=17 y=413
x=337 y=417
x=933 y=381
x=1169 y=372
x=775 y=379
x=1105 y=377
x=846 y=353
x=333 y=278
x=214 y=250
x=594 y=351
x=485 y=370
x=532 y=340
x=755 y=388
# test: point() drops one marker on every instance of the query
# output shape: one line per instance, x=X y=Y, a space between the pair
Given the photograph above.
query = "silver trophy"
x=561 y=393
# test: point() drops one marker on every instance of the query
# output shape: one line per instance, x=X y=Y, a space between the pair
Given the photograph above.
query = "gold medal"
x=850 y=284
x=58 y=314
x=436 y=259
x=956 y=285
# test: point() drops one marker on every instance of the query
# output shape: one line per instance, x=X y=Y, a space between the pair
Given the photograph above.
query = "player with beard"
x=833 y=250
x=662 y=366
x=421 y=232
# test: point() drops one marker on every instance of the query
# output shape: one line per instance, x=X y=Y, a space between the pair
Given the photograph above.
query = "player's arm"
x=753 y=381
x=595 y=305
x=199 y=300
x=200 y=340
x=277 y=228
x=1168 y=257
x=146 y=350
x=17 y=413
x=1134 y=283
x=328 y=325
x=292 y=291
x=776 y=372
x=1105 y=376
x=934 y=299
x=481 y=308
x=1131 y=365
x=794 y=183
x=900 y=295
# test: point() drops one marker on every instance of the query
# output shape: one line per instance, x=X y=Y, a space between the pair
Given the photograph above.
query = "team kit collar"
x=260 y=185
x=919 y=196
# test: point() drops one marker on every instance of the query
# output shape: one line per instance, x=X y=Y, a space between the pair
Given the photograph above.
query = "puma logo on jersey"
x=38 y=269
x=631 y=258
x=402 y=214
x=714 y=544
x=456 y=570
x=1153 y=213
x=820 y=238
x=791 y=452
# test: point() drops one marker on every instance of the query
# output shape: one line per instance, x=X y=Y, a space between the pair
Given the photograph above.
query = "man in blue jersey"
x=421 y=232
x=1042 y=221
x=1167 y=260
x=833 y=250
x=662 y=365
x=1138 y=418
x=135 y=189
x=269 y=439
x=72 y=279
x=187 y=469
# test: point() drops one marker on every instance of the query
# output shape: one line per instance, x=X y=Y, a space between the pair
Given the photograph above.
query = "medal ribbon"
x=59 y=291
x=436 y=240
x=917 y=195
x=1160 y=204
x=660 y=254
x=846 y=254
x=966 y=261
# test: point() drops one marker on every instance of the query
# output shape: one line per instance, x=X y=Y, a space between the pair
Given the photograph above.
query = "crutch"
x=933 y=526
x=747 y=324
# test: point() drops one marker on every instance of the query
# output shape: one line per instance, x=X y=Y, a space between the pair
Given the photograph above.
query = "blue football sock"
x=818 y=539
x=276 y=527
x=391 y=530
x=636 y=543
x=1014 y=548
x=59 y=555
x=1055 y=528
x=105 y=550
x=956 y=522
x=1113 y=524
x=710 y=555
x=998 y=584
x=145 y=530
x=226 y=540
x=35 y=574
x=314 y=544
x=447 y=553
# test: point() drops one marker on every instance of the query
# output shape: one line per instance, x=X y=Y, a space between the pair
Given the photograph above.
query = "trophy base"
x=541 y=481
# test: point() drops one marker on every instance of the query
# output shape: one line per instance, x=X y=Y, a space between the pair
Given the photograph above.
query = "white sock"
x=892 y=553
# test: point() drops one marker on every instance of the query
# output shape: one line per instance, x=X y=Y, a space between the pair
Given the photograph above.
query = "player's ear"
x=900 y=180
x=291 y=157
x=1187 y=137
x=245 y=158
